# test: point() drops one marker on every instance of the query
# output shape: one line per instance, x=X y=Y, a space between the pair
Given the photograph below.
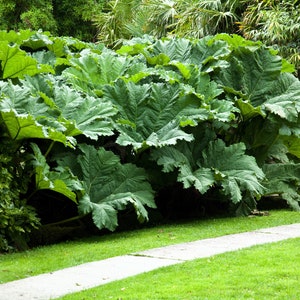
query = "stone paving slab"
x=74 y=279
x=85 y=276
x=213 y=246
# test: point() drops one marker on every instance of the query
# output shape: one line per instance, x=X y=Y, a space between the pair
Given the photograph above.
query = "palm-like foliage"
x=276 y=23
x=161 y=17
x=113 y=19
x=124 y=19
x=201 y=18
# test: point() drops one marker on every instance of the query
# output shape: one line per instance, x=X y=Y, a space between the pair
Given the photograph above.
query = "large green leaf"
x=276 y=117
x=15 y=63
x=149 y=114
x=259 y=134
x=24 y=126
x=16 y=37
x=22 y=98
x=42 y=108
x=90 y=116
x=216 y=164
x=37 y=40
x=183 y=153
x=91 y=71
x=205 y=53
x=284 y=179
x=26 y=116
x=60 y=180
x=184 y=158
x=209 y=54
x=111 y=186
x=203 y=84
x=248 y=111
x=202 y=179
x=284 y=99
x=173 y=49
x=251 y=73
x=235 y=41
x=233 y=169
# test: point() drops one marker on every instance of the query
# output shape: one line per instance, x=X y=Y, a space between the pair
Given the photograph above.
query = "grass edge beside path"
x=268 y=271
x=50 y=258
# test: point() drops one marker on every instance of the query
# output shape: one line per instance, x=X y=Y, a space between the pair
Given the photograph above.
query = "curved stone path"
x=88 y=275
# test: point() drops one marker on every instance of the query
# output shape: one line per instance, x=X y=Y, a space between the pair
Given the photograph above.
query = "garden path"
x=88 y=275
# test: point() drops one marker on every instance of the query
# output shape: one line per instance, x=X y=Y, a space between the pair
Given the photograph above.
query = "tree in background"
x=27 y=14
x=68 y=18
x=75 y=17
x=201 y=18
x=123 y=19
x=276 y=23
x=114 y=21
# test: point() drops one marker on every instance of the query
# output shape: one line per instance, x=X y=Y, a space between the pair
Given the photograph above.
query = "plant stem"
x=65 y=221
x=50 y=148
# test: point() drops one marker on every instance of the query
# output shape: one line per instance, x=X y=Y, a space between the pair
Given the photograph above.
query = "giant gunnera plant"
x=109 y=130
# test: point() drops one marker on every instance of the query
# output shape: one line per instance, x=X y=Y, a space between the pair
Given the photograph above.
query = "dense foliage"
x=122 y=19
x=17 y=218
x=275 y=23
x=109 y=130
x=64 y=17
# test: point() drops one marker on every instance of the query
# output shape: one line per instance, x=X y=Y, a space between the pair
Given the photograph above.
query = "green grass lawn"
x=270 y=271
x=49 y=258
